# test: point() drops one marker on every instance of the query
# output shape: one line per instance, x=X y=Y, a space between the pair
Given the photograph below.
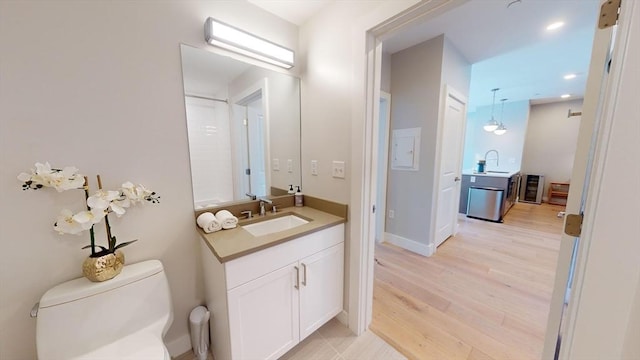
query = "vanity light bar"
x=228 y=37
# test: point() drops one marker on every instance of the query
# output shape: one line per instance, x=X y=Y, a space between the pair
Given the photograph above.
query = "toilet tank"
x=79 y=316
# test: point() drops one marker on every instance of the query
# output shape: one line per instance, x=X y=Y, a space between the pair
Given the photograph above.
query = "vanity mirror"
x=244 y=128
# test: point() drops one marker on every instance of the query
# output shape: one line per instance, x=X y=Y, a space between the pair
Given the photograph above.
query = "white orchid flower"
x=135 y=193
x=65 y=179
x=66 y=224
x=102 y=199
x=88 y=218
x=118 y=206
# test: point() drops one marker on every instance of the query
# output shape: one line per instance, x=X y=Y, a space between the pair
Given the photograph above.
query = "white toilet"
x=122 y=318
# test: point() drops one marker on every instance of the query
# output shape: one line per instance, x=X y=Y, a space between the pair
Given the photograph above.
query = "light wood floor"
x=485 y=294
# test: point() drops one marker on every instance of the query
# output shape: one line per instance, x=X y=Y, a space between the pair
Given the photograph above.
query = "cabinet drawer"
x=252 y=266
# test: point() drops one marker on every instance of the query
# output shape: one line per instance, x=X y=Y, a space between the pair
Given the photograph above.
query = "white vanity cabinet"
x=265 y=303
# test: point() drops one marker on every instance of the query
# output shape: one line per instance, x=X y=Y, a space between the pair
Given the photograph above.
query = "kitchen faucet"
x=497 y=156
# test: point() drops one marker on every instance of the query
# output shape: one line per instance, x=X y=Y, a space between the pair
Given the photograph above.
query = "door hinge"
x=373 y=210
x=247 y=172
x=245 y=122
x=573 y=224
x=609 y=12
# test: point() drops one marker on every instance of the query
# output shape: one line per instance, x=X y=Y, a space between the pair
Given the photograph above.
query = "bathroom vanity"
x=267 y=293
x=506 y=181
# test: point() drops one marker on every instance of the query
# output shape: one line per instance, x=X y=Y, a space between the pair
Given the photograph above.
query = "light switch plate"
x=290 y=165
x=338 y=170
x=314 y=167
x=275 y=164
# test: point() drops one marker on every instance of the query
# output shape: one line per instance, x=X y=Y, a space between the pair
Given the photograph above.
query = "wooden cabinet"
x=558 y=193
x=265 y=303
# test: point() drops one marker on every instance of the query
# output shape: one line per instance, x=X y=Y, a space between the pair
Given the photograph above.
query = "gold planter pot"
x=103 y=267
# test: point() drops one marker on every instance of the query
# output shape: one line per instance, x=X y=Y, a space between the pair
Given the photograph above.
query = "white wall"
x=551 y=140
x=456 y=69
x=209 y=151
x=477 y=141
x=98 y=85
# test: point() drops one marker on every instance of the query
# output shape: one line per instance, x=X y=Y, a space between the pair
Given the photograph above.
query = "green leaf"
x=124 y=244
x=89 y=246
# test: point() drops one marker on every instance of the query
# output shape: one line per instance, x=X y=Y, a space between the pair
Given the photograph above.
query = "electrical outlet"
x=314 y=167
x=290 y=165
x=338 y=170
x=472 y=179
x=275 y=164
x=392 y=214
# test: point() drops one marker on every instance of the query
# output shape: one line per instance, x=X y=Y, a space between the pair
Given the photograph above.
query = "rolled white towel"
x=227 y=219
x=208 y=222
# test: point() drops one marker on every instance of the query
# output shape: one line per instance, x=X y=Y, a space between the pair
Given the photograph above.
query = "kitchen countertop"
x=504 y=174
x=233 y=243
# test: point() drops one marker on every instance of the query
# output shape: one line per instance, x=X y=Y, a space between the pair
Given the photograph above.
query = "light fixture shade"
x=228 y=37
x=490 y=126
x=501 y=130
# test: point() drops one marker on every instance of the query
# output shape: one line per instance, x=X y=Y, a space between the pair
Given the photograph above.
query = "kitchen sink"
x=274 y=225
x=498 y=172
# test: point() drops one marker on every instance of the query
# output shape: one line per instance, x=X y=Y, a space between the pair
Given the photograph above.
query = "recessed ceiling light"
x=555 y=25
x=564 y=96
x=570 y=76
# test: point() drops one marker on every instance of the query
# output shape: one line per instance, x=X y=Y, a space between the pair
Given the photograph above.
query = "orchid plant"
x=98 y=205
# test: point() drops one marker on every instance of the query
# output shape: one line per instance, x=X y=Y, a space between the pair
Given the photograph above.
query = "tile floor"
x=334 y=341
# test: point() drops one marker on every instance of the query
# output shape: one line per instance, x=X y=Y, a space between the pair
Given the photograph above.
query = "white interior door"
x=256 y=148
x=599 y=95
x=384 y=120
x=450 y=165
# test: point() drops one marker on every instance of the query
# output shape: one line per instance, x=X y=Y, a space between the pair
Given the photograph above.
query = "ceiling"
x=507 y=44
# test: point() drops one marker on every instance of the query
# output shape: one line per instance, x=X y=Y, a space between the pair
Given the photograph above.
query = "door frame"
x=362 y=270
x=381 y=206
x=243 y=98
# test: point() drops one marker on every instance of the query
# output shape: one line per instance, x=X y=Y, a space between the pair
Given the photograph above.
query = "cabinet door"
x=321 y=286
x=264 y=315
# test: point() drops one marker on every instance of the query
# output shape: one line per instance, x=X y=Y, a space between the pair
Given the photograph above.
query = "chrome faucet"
x=250 y=195
x=262 y=202
x=497 y=156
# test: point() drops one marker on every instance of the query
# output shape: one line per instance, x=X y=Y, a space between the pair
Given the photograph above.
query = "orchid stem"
x=85 y=187
x=106 y=222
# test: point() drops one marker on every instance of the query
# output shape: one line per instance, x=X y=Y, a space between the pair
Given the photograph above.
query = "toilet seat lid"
x=139 y=346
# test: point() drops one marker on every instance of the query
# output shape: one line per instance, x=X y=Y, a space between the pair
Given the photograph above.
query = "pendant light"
x=501 y=130
x=492 y=124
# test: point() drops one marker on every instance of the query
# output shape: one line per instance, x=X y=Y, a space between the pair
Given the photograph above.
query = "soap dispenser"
x=298 y=198
x=291 y=191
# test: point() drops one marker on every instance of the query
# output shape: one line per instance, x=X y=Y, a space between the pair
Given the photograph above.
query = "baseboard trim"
x=408 y=244
x=179 y=346
x=343 y=317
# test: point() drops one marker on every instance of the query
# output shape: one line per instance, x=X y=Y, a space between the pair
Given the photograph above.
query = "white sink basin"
x=274 y=225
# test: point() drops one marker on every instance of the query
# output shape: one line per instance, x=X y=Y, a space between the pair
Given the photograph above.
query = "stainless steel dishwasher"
x=485 y=203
